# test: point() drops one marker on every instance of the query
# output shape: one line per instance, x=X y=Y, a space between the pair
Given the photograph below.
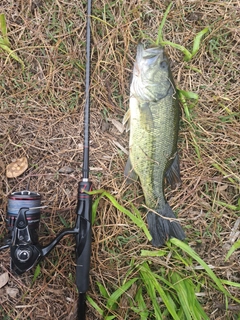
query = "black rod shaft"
x=85 y=170
x=84 y=210
x=81 y=312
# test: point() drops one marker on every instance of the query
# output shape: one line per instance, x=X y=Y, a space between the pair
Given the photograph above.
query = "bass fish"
x=154 y=123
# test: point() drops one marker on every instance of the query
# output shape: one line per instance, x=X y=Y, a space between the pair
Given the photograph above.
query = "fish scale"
x=154 y=124
x=164 y=145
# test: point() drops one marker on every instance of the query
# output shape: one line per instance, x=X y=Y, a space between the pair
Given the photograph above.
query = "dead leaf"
x=66 y=169
x=118 y=125
x=105 y=126
x=121 y=147
x=12 y=292
x=17 y=167
x=222 y=187
x=4 y=279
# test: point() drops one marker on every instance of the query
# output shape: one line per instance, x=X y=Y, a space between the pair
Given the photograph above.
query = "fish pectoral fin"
x=129 y=173
x=146 y=118
x=173 y=173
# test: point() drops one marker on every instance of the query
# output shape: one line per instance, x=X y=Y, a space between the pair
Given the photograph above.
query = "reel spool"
x=24 y=199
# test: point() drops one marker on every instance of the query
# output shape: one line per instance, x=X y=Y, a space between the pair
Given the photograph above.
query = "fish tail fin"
x=162 y=227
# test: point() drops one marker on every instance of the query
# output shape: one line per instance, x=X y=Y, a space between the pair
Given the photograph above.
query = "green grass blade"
x=188 y=300
x=37 y=272
x=163 y=279
x=109 y=317
x=11 y=52
x=182 y=293
x=160 y=30
x=142 y=308
x=3 y=25
x=148 y=281
x=153 y=285
x=197 y=40
x=187 y=54
x=223 y=172
x=4 y=42
x=94 y=209
x=102 y=290
x=230 y=283
x=234 y=247
x=196 y=257
x=156 y=253
x=229 y=206
x=64 y=222
x=117 y=294
x=183 y=95
x=174 y=306
x=168 y=302
x=102 y=21
x=3 y=29
x=200 y=312
x=137 y=220
x=189 y=94
x=196 y=147
x=95 y=305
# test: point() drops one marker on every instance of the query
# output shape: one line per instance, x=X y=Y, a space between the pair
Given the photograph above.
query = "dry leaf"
x=66 y=169
x=3 y=279
x=12 y=292
x=118 y=125
x=17 y=167
x=121 y=147
x=222 y=187
x=105 y=126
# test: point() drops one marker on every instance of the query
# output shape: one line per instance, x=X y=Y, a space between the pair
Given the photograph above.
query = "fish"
x=153 y=120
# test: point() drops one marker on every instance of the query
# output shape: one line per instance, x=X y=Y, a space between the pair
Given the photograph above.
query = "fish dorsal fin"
x=146 y=118
x=173 y=173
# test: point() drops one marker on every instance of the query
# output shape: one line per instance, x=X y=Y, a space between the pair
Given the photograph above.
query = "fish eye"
x=163 y=65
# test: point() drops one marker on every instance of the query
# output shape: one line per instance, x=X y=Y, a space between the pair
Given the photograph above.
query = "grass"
x=196 y=42
x=177 y=289
x=5 y=43
x=42 y=118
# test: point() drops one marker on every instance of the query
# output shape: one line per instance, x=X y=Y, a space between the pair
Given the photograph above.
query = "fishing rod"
x=85 y=200
x=24 y=213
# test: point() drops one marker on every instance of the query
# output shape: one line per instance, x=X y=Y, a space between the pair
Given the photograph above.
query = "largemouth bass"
x=154 y=123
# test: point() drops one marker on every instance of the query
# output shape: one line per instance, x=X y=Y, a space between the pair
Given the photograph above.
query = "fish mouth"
x=151 y=74
x=151 y=54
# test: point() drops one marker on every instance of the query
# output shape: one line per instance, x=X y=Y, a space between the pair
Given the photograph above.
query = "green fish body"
x=154 y=124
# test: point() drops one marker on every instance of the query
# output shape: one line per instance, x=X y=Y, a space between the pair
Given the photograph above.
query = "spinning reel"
x=23 y=218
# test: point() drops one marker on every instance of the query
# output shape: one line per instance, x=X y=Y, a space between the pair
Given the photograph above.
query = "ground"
x=42 y=119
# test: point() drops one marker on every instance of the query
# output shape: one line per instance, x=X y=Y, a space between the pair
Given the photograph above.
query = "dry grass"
x=42 y=118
